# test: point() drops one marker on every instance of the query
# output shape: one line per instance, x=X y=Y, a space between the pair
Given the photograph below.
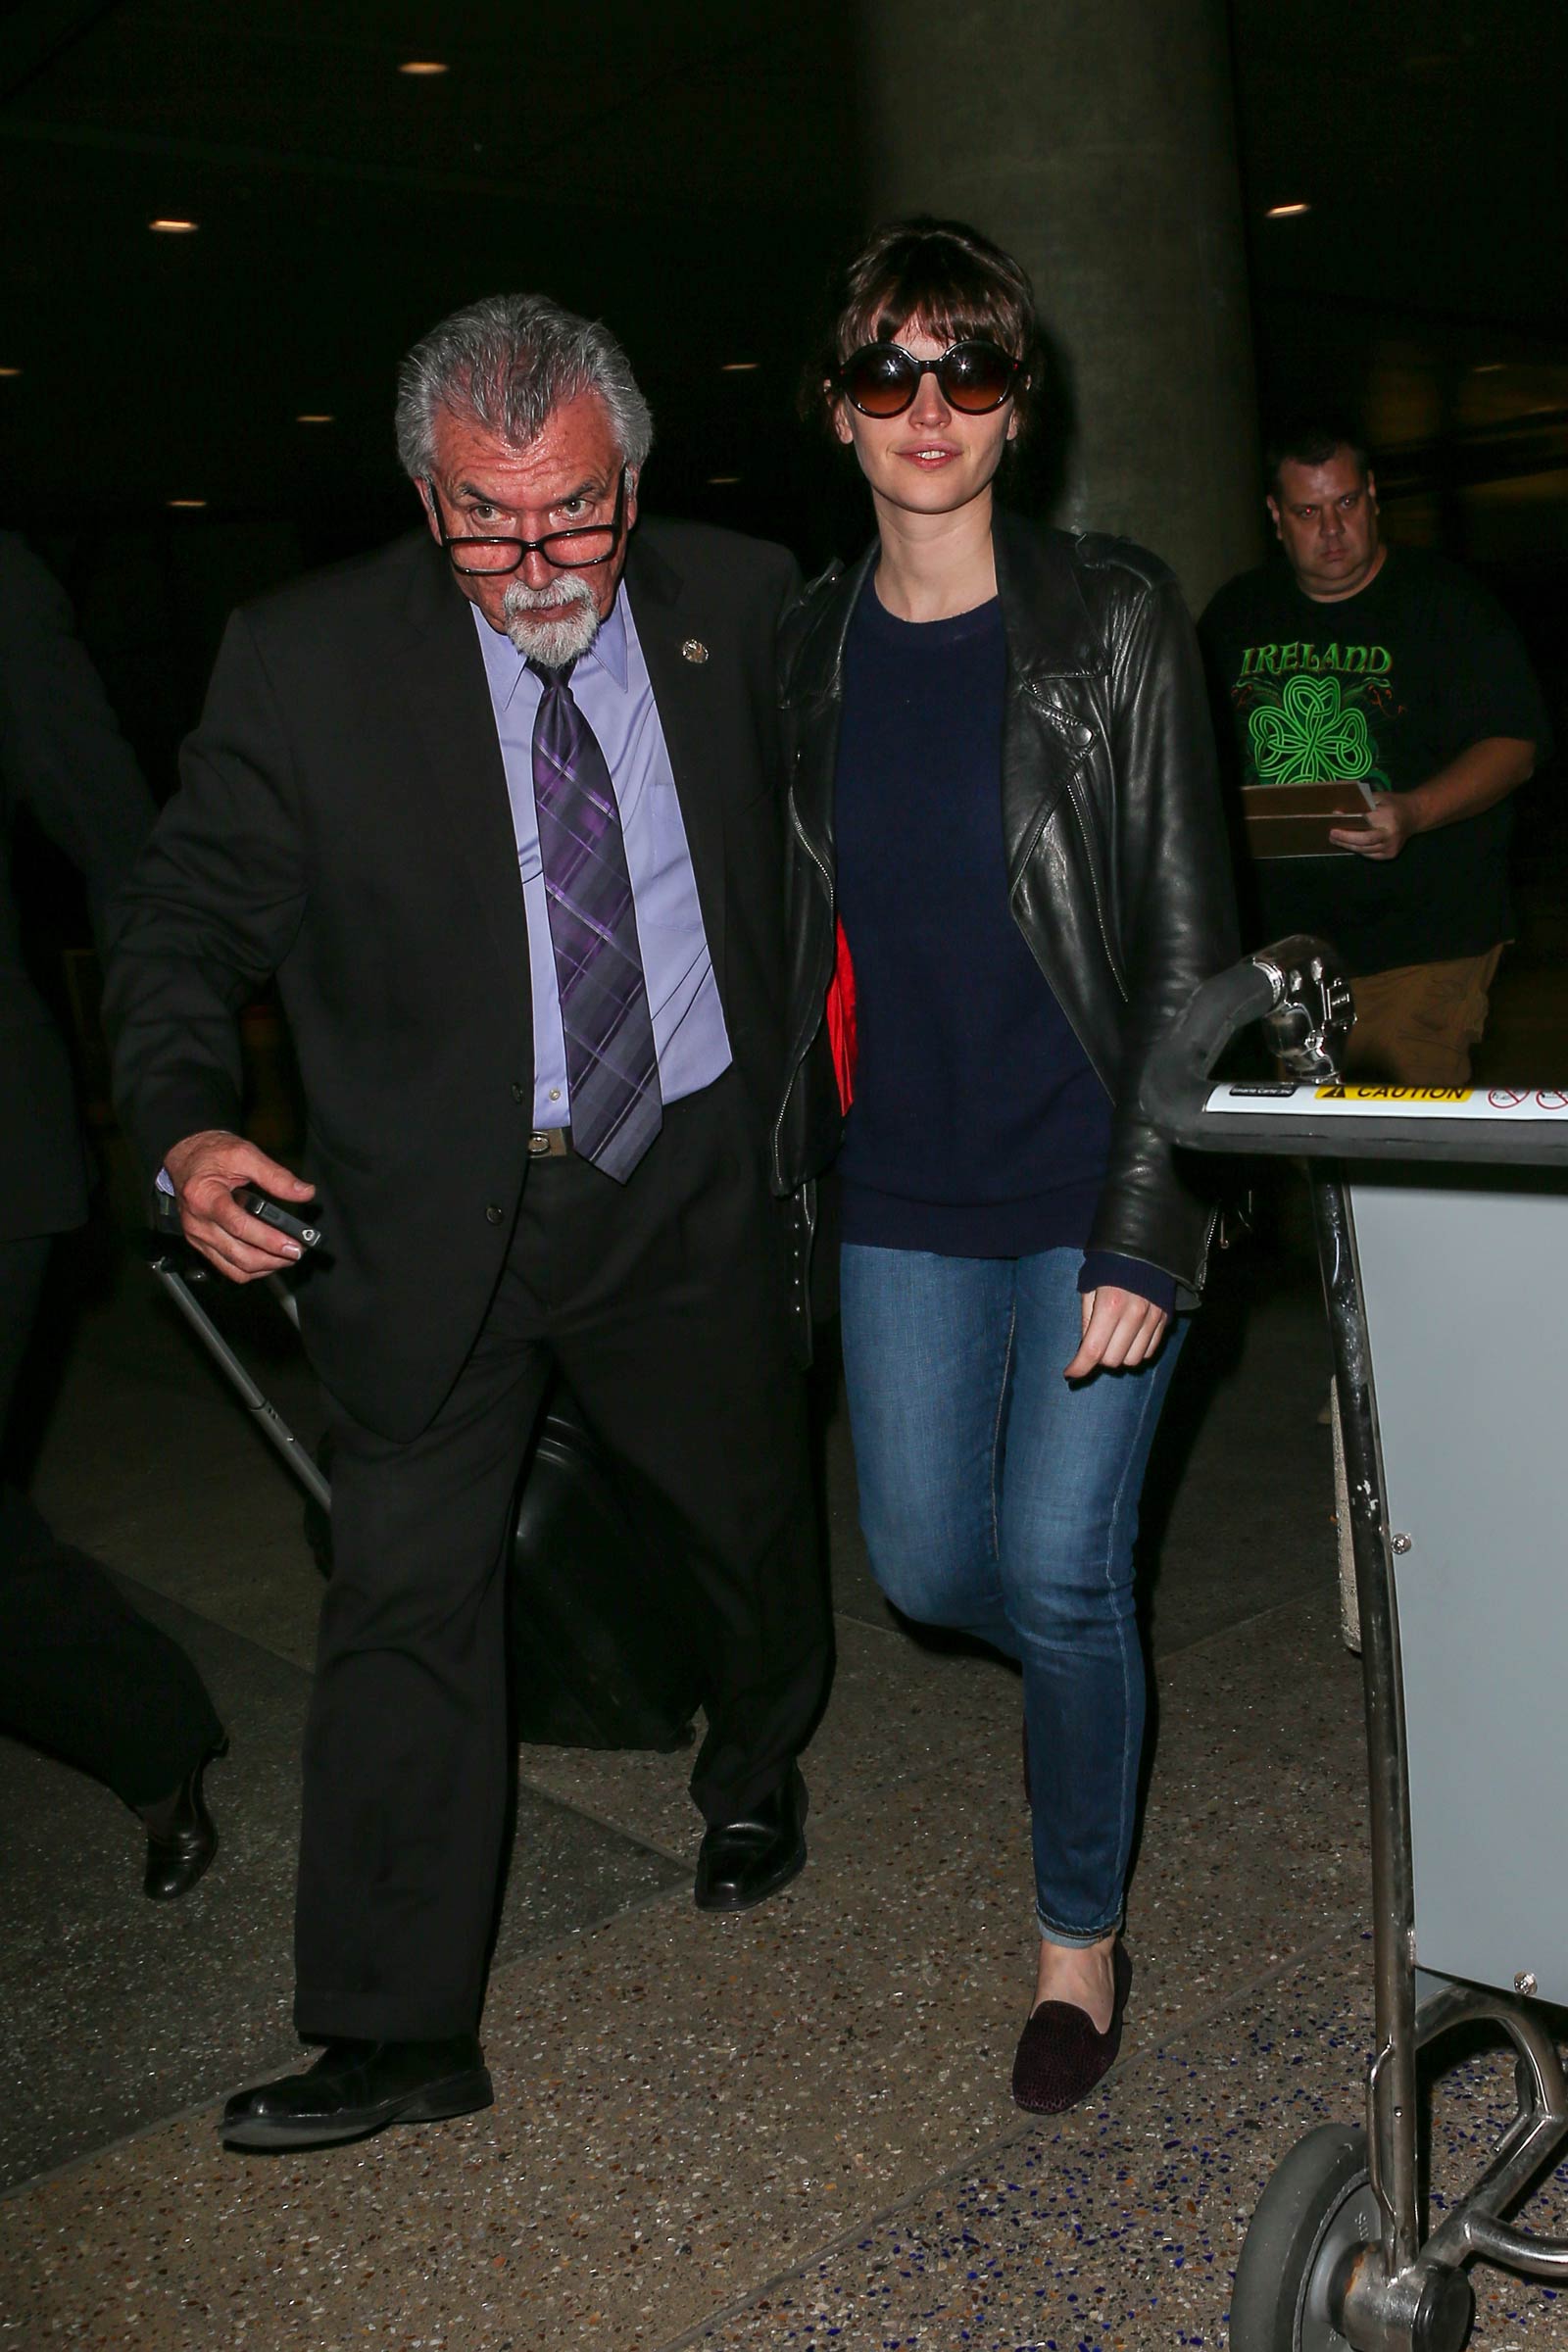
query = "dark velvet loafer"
x=181 y=1837
x=1061 y=2056
x=357 y=2088
x=743 y=1862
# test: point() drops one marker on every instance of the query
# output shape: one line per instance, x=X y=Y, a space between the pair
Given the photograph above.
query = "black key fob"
x=272 y=1213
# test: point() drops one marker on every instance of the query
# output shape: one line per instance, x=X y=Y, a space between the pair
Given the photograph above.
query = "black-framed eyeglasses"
x=881 y=379
x=575 y=550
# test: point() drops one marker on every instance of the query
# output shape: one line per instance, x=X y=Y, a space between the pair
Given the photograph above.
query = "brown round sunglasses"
x=881 y=379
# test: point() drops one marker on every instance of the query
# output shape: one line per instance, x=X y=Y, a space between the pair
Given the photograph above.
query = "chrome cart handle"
x=1312 y=1013
x=1296 y=987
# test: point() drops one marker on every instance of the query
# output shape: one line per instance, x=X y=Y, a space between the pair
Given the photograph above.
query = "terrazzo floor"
x=790 y=2130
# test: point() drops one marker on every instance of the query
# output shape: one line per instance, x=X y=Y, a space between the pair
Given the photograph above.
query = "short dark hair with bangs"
x=943 y=274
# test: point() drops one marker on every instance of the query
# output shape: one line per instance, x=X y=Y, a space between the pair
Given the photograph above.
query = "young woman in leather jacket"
x=1009 y=871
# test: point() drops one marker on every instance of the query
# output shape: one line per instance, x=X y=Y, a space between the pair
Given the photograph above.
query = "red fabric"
x=841 y=1029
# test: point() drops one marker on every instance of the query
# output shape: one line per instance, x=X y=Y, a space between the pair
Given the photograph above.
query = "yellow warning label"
x=1394 y=1094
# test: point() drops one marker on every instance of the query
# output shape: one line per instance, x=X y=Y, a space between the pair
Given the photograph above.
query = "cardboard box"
x=1294 y=820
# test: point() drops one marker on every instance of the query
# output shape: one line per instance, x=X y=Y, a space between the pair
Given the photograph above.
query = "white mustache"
x=521 y=598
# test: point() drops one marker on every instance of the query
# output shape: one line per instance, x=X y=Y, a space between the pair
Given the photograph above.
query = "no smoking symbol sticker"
x=1551 y=1099
x=1505 y=1098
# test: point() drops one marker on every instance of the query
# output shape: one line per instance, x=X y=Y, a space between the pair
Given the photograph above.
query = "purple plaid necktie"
x=612 y=1067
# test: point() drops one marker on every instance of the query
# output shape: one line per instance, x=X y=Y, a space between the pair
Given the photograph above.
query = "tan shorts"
x=1415 y=1026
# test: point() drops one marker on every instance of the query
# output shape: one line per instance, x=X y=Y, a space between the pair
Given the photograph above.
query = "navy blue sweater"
x=979 y=1127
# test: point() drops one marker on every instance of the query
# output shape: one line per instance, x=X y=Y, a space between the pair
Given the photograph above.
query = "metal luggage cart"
x=1442 y=1224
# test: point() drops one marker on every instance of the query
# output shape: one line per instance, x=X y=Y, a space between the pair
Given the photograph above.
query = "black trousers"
x=82 y=1674
x=661 y=1302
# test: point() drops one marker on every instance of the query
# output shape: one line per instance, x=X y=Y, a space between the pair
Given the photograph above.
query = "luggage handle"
x=165 y=1265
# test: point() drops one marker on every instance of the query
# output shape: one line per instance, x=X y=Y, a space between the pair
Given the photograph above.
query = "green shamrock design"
x=1309 y=738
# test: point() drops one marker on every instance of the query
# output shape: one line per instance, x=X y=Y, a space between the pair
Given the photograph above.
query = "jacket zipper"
x=803 y=1043
x=1093 y=886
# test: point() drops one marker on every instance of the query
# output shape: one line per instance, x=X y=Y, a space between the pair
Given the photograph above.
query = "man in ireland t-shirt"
x=1393 y=672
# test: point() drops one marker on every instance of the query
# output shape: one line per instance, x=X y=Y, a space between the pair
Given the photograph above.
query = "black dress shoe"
x=1060 y=2055
x=354 y=2089
x=181 y=1838
x=742 y=1862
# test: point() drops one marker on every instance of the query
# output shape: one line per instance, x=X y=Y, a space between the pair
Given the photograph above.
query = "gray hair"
x=506 y=364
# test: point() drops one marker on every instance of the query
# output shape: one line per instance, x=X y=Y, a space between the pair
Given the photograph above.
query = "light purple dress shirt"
x=612 y=690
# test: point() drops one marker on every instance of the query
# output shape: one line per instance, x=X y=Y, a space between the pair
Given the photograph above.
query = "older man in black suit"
x=501 y=809
x=82 y=1674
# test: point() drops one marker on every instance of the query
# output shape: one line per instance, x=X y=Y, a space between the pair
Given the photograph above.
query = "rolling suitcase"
x=601 y=1653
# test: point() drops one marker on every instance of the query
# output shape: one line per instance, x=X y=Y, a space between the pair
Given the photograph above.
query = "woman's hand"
x=1121 y=1331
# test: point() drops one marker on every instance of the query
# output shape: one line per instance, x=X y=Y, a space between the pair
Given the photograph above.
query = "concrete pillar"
x=1093 y=139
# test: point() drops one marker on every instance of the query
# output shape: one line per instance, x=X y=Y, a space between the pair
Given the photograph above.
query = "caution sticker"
x=1338 y=1100
x=1339 y=1093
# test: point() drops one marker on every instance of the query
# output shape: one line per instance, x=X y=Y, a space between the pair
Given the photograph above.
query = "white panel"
x=1467 y=1310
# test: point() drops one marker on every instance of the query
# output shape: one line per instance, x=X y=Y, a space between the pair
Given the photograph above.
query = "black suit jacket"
x=62 y=756
x=343 y=822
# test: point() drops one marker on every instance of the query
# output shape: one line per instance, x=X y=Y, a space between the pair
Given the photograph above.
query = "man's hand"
x=1478 y=779
x=1389 y=826
x=204 y=1171
x=1121 y=1331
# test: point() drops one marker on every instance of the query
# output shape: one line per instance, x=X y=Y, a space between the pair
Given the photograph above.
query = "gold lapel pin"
x=693 y=650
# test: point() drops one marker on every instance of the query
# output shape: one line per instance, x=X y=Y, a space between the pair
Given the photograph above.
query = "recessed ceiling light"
x=173 y=228
x=740 y=367
x=10 y=371
x=315 y=417
x=424 y=67
x=1286 y=212
x=187 y=501
x=722 y=481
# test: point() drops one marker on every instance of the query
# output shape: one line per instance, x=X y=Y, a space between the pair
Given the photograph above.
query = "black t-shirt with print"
x=1391 y=685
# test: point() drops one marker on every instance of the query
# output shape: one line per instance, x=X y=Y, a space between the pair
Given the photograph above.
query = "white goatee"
x=551 y=625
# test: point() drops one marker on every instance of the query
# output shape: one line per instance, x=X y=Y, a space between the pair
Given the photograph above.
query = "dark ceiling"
x=1425 y=291
x=1427 y=136
x=664 y=166
x=686 y=170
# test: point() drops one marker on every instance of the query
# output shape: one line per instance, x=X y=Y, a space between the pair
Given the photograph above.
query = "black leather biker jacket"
x=1119 y=869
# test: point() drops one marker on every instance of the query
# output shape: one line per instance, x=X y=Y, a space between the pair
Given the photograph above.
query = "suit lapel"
x=442 y=682
x=685 y=694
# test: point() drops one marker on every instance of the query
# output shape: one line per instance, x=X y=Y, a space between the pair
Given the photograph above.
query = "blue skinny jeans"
x=997 y=1498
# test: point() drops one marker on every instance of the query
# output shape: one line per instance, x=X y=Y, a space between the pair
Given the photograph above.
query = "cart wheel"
x=1318 y=2203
